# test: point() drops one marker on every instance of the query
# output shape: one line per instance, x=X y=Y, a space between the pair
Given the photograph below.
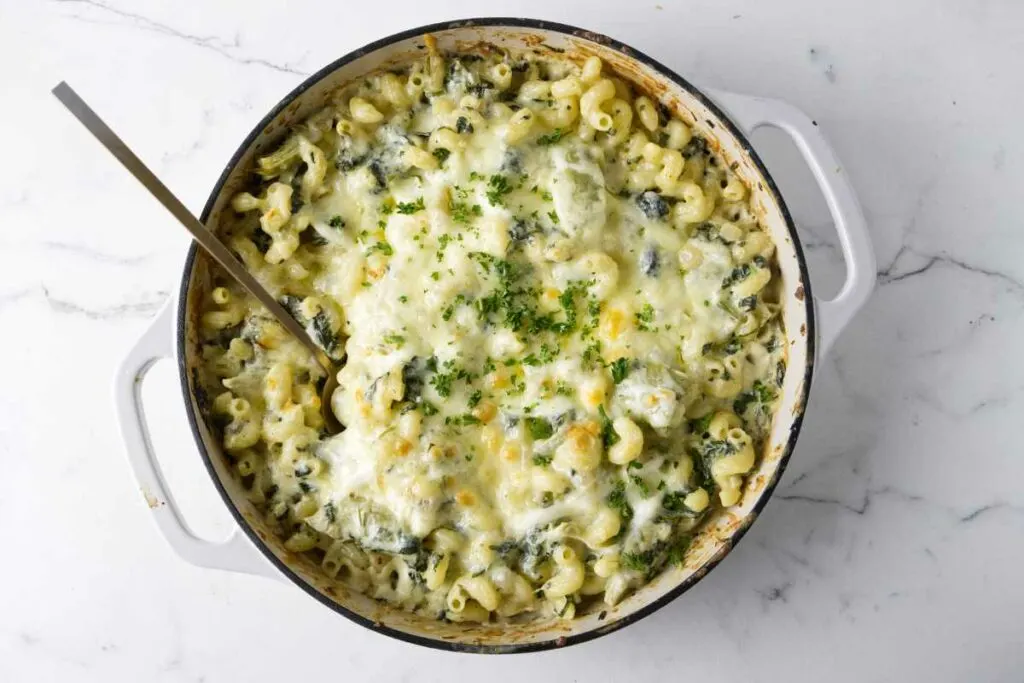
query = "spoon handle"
x=206 y=239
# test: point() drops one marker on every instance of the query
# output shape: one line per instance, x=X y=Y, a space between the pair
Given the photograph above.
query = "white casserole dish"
x=812 y=326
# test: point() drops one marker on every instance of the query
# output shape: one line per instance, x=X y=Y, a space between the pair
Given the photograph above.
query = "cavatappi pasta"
x=560 y=330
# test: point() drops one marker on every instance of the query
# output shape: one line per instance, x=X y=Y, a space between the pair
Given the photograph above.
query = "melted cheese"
x=497 y=313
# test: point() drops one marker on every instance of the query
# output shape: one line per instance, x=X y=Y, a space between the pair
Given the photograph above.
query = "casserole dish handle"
x=750 y=113
x=237 y=552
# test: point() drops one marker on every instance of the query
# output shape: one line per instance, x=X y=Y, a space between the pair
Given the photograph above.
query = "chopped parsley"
x=760 y=393
x=640 y=484
x=462 y=212
x=617 y=501
x=544 y=194
x=497 y=188
x=553 y=215
x=567 y=299
x=408 y=208
x=442 y=384
x=395 y=340
x=461 y=420
x=546 y=355
x=677 y=552
x=765 y=394
x=551 y=138
x=639 y=561
x=448 y=312
x=442 y=381
x=513 y=305
x=592 y=355
x=382 y=247
x=701 y=424
x=442 y=243
x=620 y=368
x=542 y=459
x=609 y=436
x=644 y=317
x=702 y=472
x=672 y=502
x=336 y=222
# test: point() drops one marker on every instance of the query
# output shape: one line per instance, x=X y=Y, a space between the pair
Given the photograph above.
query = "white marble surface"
x=894 y=547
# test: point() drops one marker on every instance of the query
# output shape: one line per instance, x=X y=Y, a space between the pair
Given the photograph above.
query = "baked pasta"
x=558 y=316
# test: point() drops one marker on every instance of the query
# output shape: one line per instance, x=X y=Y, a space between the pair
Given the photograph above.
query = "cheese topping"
x=560 y=331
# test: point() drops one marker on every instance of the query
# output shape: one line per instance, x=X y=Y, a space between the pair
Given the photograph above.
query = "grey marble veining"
x=92 y=11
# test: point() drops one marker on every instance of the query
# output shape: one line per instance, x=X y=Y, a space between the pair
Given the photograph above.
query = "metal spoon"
x=206 y=239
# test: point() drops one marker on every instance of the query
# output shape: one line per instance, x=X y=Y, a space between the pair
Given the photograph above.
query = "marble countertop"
x=892 y=549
